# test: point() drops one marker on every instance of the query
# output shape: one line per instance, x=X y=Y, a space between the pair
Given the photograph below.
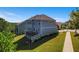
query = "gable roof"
x=41 y=17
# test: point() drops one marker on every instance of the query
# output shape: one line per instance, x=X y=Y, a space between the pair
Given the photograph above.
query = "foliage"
x=74 y=17
x=6 y=42
x=2 y=22
x=63 y=26
x=6 y=26
x=73 y=23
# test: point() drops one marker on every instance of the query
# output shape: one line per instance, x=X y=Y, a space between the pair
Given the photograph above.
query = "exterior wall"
x=23 y=27
x=41 y=27
x=29 y=26
x=48 y=27
x=20 y=29
x=36 y=26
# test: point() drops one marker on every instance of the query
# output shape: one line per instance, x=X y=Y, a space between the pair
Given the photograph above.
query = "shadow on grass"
x=22 y=44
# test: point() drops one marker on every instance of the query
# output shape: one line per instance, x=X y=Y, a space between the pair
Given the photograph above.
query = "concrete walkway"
x=68 y=43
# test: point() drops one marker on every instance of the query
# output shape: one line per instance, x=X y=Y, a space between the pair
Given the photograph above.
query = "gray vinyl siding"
x=40 y=27
x=48 y=28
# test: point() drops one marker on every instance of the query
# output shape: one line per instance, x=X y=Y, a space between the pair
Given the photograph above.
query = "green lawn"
x=53 y=45
x=75 y=42
x=18 y=38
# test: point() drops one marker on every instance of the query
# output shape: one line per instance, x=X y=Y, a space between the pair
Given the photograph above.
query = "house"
x=59 y=24
x=37 y=26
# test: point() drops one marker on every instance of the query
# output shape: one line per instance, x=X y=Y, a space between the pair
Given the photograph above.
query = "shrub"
x=6 y=42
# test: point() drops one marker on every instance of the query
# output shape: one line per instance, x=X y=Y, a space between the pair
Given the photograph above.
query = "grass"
x=75 y=42
x=53 y=45
x=18 y=38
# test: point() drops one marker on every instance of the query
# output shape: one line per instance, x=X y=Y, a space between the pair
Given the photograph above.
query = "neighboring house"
x=37 y=26
x=59 y=24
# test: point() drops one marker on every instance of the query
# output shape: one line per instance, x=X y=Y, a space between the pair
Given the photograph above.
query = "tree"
x=74 y=17
x=4 y=25
x=6 y=42
x=63 y=26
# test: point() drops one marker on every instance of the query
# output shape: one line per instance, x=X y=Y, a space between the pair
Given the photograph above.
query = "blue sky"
x=19 y=14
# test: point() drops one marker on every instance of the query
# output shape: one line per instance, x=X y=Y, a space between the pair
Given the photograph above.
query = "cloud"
x=60 y=19
x=11 y=17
